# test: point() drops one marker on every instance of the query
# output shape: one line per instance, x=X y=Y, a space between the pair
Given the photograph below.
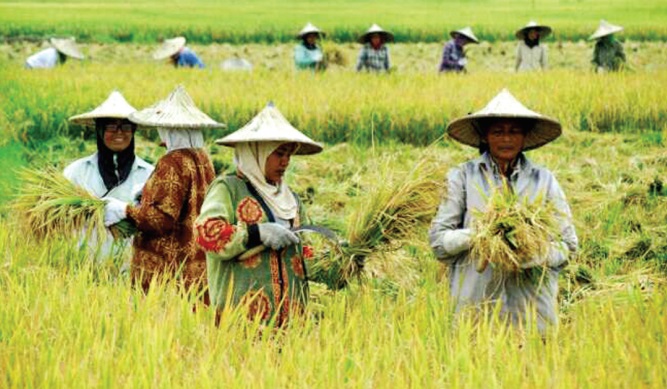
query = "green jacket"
x=608 y=54
x=271 y=283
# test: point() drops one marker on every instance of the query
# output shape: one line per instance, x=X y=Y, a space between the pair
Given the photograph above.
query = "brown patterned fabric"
x=171 y=200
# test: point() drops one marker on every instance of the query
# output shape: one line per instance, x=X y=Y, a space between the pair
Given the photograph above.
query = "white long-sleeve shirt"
x=45 y=59
x=528 y=59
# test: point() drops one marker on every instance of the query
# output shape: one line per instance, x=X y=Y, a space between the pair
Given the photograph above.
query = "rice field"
x=66 y=321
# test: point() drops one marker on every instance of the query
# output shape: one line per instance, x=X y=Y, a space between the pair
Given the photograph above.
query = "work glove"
x=555 y=257
x=276 y=236
x=114 y=211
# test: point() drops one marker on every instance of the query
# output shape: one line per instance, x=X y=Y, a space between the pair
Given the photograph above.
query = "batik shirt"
x=171 y=200
x=374 y=60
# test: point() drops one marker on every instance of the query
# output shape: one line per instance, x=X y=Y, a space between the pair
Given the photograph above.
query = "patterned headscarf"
x=250 y=159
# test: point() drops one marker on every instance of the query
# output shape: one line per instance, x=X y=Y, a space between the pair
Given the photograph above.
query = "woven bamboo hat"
x=505 y=106
x=310 y=29
x=605 y=29
x=67 y=46
x=545 y=31
x=270 y=126
x=115 y=107
x=375 y=29
x=169 y=47
x=466 y=32
x=177 y=111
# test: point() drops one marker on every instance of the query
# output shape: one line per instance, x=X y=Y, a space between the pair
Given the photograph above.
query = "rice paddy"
x=69 y=321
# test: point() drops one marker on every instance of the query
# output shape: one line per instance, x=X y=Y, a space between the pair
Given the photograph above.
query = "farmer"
x=172 y=197
x=57 y=54
x=502 y=131
x=307 y=54
x=179 y=55
x=608 y=54
x=453 y=56
x=245 y=222
x=114 y=171
x=374 y=55
x=530 y=54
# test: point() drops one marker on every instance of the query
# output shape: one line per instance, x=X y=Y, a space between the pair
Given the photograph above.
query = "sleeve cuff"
x=253 y=236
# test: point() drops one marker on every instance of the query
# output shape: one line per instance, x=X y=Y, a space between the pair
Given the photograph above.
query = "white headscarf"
x=181 y=138
x=250 y=159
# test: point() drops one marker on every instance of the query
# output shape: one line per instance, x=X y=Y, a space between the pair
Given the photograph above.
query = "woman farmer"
x=453 y=56
x=172 y=197
x=57 y=54
x=374 y=55
x=246 y=222
x=179 y=55
x=114 y=170
x=608 y=54
x=502 y=131
x=307 y=54
x=530 y=54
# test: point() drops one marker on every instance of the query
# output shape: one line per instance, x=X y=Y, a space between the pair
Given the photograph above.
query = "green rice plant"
x=512 y=230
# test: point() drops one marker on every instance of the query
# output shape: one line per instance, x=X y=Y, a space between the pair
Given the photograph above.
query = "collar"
x=138 y=162
x=523 y=164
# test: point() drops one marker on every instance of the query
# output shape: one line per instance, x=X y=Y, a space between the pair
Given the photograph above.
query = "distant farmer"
x=374 y=55
x=502 y=132
x=179 y=55
x=530 y=53
x=57 y=54
x=608 y=54
x=308 y=54
x=453 y=56
x=164 y=246
x=246 y=222
x=114 y=171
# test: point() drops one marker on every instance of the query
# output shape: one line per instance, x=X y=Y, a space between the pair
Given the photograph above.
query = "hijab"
x=176 y=139
x=114 y=167
x=250 y=159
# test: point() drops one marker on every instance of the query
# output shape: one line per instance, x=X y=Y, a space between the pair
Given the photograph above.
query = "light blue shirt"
x=45 y=59
x=187 y=58
x=305 y=58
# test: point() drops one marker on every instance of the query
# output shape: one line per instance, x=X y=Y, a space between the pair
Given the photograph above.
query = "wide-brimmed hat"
x=271 y=126
x=605 y=29
x=466 y=32
x=375 y=29
x=114 y=107
x=544 y=30
x=177 y=111
x=67 y=46
x=505 y=106
x=169 y=47
x=310 y=29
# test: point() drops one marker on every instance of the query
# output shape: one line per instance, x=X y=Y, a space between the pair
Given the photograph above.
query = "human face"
x=376 y=40
x=311 y=38
x=505 y=139
x=118 y=135
x=533 y=34
x=277 y=163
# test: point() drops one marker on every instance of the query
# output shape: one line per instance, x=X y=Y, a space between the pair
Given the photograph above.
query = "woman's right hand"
x=276 y=236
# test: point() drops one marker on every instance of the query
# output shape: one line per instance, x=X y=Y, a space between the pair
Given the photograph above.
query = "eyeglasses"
x=116 y=127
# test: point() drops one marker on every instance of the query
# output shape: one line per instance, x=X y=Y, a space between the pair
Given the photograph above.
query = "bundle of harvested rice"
x=393 y=209
x=513 y=230
x=52 y=205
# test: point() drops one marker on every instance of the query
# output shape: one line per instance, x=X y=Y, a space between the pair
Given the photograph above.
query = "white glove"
x=114 y=211
x=276 y=236
x=463 y=62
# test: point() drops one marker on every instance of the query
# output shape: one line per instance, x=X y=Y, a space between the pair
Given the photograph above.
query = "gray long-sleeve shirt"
x=468 y=187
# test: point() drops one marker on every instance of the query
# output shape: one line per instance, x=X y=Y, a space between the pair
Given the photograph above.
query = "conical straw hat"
x=605 y=29
x=115 y=106
x=466 y=32
x=310 y=29
x=169 y=47
x=505 y=106
x=176 y=111
x=375 y=29
x=545 y=31
x=67 y=46
x=269 y=126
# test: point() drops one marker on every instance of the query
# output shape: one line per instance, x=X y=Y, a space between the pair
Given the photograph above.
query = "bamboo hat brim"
x=545 y=31
x=505 y=106
x=310 y=29
x=605 y=29
x=271 y=126
x=177 y=111
x=114 y=107
x=169 y=47
x=466 y=32
x=67 y=46
x=375 y=29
